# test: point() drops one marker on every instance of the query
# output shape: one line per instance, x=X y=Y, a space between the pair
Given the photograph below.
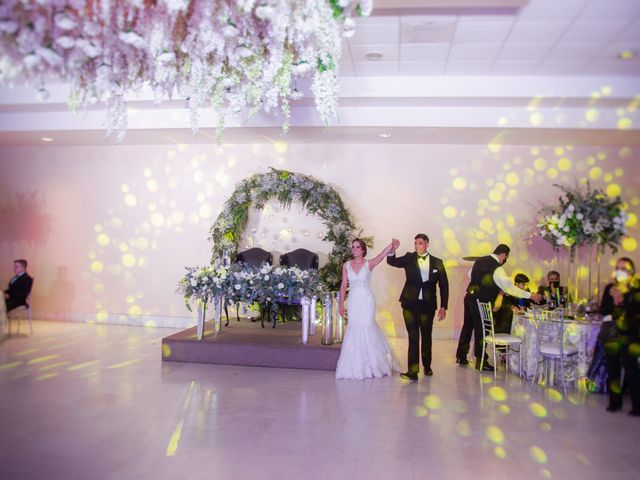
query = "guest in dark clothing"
x=616 y=334
x=503 y=316
x=553 y=293
x=19 y=286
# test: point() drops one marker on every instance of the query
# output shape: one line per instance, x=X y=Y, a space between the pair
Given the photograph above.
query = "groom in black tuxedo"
x=418 y=300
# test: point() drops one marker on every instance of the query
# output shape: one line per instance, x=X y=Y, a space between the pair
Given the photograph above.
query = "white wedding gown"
x=365 y=352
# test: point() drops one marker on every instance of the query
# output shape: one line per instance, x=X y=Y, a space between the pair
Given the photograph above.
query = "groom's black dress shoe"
x=614 y=408
x=409 y=376
x=462 y=361
x=428 y=372
x=485 y=368
x=635 y=413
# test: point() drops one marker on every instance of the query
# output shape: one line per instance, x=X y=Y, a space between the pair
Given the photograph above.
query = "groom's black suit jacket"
x=413 y=284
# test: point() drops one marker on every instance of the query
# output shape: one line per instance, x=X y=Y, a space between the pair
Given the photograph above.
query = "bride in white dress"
x=365 y=352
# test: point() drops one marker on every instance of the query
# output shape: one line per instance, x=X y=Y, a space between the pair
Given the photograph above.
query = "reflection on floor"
x=86 y=401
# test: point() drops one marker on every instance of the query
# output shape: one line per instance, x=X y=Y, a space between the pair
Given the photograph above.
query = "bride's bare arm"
x=381 y=256
x=343 y=289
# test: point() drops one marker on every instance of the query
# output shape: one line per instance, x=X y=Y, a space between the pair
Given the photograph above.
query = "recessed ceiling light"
x=373 y=56
x=384 y=135
x=47 y=139
x=627 y=55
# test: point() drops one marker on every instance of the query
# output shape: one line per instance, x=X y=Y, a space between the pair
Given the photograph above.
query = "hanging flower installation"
x=230 y=55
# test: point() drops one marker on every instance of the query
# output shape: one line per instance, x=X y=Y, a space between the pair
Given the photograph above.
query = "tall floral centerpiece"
x=584 y=216
x=229 y=55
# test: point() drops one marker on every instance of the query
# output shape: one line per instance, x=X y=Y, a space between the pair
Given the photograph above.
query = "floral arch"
x=316 y=197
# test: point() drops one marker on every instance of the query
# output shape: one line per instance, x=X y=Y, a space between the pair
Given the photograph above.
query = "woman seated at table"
x=503 y=312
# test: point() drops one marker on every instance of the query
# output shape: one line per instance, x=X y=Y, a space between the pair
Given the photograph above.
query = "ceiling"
x=449 y=71
x=544 y=37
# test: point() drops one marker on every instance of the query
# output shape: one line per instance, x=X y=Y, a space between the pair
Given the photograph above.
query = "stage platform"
x=246 y=343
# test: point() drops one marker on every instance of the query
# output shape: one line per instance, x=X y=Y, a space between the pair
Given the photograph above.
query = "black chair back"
x=300 y=258
x=255 y=257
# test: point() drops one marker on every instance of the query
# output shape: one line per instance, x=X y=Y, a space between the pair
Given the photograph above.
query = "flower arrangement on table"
x=229 y=55
x=584 y=217
x=248 y=284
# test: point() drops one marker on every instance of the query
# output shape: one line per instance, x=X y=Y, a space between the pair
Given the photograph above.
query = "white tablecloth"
x=581 y=334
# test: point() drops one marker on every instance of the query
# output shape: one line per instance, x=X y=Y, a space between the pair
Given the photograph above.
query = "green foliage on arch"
x=316 y=197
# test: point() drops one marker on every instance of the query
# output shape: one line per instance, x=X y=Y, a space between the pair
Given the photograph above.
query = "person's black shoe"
x=614 y=408
x=485 y=368
x=635 y=413
x=409 y=376
x=462 y=361
x=428 y=372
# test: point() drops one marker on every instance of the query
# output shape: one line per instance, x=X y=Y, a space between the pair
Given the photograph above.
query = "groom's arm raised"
x=378 y=258
x=391 y=256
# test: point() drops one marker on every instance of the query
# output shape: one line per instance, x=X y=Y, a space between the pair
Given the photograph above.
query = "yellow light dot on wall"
x=130 y=200
x=205 y=210
x=629 y=244
x=97 y=266
x=625 y=123
x=540 y=164
x=494 y=147
x=128 y=260
x=281 y=147
x=559 y=151
x=613 y=190
x=511 y=196
x=601 y=155
x=157 y=219
x=505 y=237
x=564 y=164
x=632 y=220
x=500 y=187
x=115 y=222
x=147 y=172
x=231 y=162
x=130 y=298
x=102 y=316
x=102 y=239
x=552 y=173
x=606 y=90
x=607 y=177
x=502 y=121
x=124 y=187
x=512 y=179
x=618 y=172
x=98 y=288
x=449 y=212
x=536 y=119
x=459 y=183
x=486 y=225
x=495 y=195
x=592 y=115
x=177 y=217
x=535 y=151
x=595 y=173
x=135 y=311
x=152 y=185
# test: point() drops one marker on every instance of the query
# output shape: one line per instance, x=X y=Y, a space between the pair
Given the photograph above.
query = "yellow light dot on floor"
x=421 y=411
x=502 y=121
x=102 y=316
x=540 y=164
x=97 y=266
x=500 y=453
x=564 y=164
x=498 y=394
x=512 y=179
x=629 y=244
x=128 y=260
x=538 y=410
x=624 y=123
x=459 y=183
x=554 y=395
x=166 y=350
x=592 y=115
x=432 y=402
x=281 y=147
x=504 y=409
x=103 y=239
x=552 y=173
x=463 y=428
x=538 y=455
x=632 y=221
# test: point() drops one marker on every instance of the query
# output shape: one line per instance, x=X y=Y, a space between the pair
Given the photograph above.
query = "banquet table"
x=581 y=333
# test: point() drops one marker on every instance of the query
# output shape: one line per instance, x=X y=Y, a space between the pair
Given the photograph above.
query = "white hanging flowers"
x=224 y=54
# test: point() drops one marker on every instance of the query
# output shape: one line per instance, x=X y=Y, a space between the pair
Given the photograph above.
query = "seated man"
x=19 y=286
x=503 y=315
x=553 y=293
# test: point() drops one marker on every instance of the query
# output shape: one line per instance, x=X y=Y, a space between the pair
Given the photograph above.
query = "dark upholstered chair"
x=301 y=258
x=254 y=257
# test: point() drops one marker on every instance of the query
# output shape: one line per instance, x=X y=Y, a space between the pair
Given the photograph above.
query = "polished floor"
x=87 y=401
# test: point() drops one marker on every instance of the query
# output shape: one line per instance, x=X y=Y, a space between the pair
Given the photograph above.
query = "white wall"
x=108 y=230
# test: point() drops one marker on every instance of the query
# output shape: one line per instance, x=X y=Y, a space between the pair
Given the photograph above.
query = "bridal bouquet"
x=584 y=216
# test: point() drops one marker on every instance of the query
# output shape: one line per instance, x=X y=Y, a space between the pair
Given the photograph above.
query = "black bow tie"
x=422 y=257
